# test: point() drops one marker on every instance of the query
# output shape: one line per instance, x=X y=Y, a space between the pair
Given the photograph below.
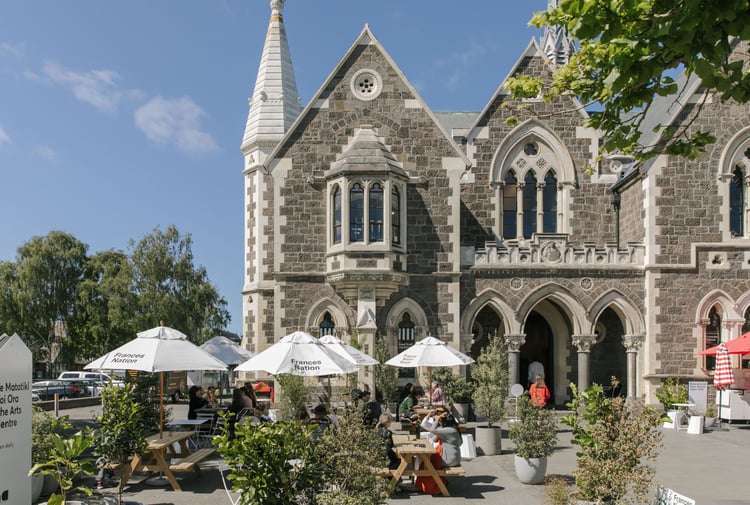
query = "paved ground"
x=712 y=468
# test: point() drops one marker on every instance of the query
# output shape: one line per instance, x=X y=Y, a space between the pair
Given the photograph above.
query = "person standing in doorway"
x=535 y=368
x=539 y=392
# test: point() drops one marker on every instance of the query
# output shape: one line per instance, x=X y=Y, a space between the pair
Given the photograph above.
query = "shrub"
x=672 y=391
x=616 y=440
x=293 y=395
x=386 y=377
x=43 y=426
x=490 y=375
x=455 y=386
x=121 y=425
x=535 y=430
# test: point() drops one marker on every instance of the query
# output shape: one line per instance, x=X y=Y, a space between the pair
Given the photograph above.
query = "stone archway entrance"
x=539 y=346
x=486 y=324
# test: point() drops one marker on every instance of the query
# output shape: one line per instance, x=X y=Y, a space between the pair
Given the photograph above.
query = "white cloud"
x=45 y=152
x=175 y=121
x=4 y=138
x=456 y=65
x=95 y=87
x=16 y=50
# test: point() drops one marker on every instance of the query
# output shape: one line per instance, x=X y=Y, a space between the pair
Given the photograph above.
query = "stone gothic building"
x=369 y=215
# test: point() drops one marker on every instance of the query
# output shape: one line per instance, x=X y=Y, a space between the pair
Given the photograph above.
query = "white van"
x=94 y=376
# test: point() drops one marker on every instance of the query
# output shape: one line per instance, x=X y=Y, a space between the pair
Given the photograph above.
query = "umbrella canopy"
x=740 y=345
x=160 y=349
x=343 y=349
x=723 y=375
x=429 y=351
x=298 y=353
x=227 y=351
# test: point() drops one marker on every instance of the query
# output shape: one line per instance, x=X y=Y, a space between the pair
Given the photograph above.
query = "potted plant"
x=490 y=375
x=43 y=426
x=535 y=436
x=617 y=440
x=65 y=462
x=456 y=388
x=386 y=377
x=672 y=391
x=710 y=418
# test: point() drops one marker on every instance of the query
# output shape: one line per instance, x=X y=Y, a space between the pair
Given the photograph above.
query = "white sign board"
x=15 y=421
x=698 y=395
x=665 y=496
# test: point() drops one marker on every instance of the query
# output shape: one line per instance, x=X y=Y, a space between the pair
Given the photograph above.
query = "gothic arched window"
x=737 y=203
x=549 y=203
x=337 y=215
x=396 y=215
x=713 y=335
x=376 y=213
x=356 y=213
x=529 y=205
x=327 y=326
x=510 y=205
x=406 y=338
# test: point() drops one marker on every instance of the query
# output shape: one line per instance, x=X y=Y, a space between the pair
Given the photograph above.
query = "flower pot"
x=531 y=470
x=462 y=411
x=708 y=422
x=49 y=486
x=489 y=440
x=37 y=482
x=672 y=416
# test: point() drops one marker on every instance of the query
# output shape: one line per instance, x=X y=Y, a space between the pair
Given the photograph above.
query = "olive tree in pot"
x=617 y=439
x=490 y=375
x=535 y=434
x=672 y=391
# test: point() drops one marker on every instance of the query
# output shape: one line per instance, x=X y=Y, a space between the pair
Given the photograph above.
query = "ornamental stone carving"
x=515 y=342
x=632 y=343
x=584 y=342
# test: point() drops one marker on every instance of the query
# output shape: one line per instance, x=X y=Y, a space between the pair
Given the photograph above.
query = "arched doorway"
x=487 y=323
x=608 y=358
x=539 y=346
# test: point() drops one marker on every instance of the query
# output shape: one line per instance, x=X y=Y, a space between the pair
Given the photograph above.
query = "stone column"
x=514 y=343
x=632 y=345
x=583 y=343
x=519 y=210
x=540 y=207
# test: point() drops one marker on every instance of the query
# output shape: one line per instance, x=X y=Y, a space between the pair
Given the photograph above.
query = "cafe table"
x=159 y=451
x=422 y=452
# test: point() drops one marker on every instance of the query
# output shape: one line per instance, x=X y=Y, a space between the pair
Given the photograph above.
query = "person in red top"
x=538 y=392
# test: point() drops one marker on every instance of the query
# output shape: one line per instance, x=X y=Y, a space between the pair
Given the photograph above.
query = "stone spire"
x=275 y=103
x=556 y=43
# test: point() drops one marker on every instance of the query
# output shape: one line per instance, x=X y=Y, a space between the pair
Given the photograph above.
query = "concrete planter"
x=531 y=470
x=489 y=440
x=49 y=486
x=37 y=483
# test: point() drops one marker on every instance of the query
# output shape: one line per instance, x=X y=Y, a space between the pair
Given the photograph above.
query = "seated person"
x=196 y=401
x=210 y=395
x=383 y=435
x=370 y=409
x=437 y=397
x=321 y=421
x=406 y=407
x=441 y=424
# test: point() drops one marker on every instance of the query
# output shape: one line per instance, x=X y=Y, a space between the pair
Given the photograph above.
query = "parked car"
x=64 y=389
x=34 y=397
x=95 y=387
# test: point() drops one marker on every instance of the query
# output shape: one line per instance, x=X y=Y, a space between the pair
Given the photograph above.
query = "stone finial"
x=584 y=343
x=277 y=6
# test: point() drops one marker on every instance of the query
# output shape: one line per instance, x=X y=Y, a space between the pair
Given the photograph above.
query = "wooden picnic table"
x=173 y=444
x=422 y=451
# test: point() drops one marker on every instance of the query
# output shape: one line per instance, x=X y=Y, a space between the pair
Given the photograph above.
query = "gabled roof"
x=366 y=37
x=366 y=153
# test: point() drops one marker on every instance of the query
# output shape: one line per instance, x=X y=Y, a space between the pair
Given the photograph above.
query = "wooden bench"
x=190 y=462
x=448 y=471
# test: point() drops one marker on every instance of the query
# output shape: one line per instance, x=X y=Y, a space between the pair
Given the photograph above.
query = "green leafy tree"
x=39 y=291
x=386 y=377
x=293 y=395
x=172 y=290
x=146 y=393
x=535 y=430
x=105 y=304
x=628 y=54
x=490 y=376
x=121 y=425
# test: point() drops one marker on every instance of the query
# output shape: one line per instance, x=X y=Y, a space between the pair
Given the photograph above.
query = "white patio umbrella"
x=299 y=353
x=429 y=352
x=227 y=351
x=345 y=350
x=160 y=349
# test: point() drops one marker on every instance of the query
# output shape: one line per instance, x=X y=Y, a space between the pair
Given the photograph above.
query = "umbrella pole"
x=161 y=405
x=719 y=409
x=430 y=385
x=328 y=398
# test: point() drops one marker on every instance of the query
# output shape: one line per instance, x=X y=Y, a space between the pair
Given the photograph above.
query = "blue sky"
x=118 y=117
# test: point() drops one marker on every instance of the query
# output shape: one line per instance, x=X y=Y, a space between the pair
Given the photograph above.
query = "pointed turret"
x=275 y=103
x=556 y=43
